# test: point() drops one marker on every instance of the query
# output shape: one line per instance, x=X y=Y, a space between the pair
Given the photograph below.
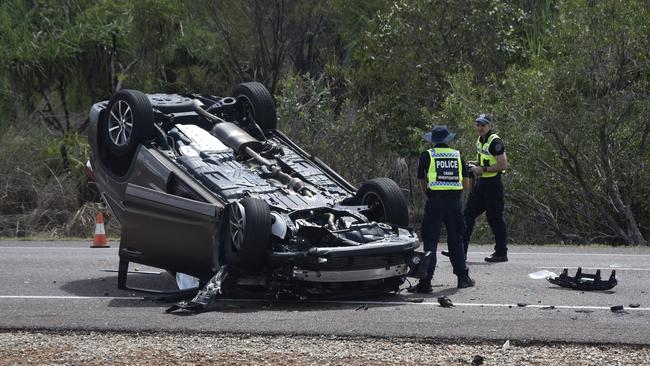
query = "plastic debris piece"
x=616 y=308
x=445 y=302
x=478 y=360
x=416 y=299
x=506 y=345
x=185 y=281
x=522 y=304
x=583 y=281
x=208 y=295
x=362 y=307
x=634 y=305
x=542 y=274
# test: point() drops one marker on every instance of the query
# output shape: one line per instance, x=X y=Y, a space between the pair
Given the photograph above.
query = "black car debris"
x=200 y=183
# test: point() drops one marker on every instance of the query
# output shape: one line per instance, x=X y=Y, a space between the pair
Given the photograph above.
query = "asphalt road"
x=68 y=286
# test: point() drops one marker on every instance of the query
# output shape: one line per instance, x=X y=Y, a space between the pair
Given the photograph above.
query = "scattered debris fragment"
x=206 y=296
x=417 y=300
x=634 y=305
x=362 y=307
x=478 y=360
x=522 y=304
x=584 y=311
x=185 y=281
x=505 y=346
x=616 y=308
x=584 y=281
x=445 y=302
x=542 y=274
x=551 y=307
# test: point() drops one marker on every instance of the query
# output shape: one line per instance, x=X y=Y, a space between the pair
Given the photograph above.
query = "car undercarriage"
x=201 y=184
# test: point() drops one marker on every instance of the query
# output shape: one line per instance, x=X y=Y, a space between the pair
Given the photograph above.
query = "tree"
x=576 y=119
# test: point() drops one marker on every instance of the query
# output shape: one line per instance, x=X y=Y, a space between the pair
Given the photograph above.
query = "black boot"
x=465 y=281
x=495 y=258
x=423 y=287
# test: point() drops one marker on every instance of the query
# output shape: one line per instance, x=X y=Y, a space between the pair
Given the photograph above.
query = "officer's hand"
x=478 y=170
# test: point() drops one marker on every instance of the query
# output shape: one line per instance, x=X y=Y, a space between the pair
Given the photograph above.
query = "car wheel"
x=385 y=201
x=256 y=103
x=247 y=233
x=129 y=122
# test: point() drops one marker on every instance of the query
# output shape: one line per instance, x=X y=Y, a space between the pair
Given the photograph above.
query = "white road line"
x=601 y=268
x=113 y=247
x=69 y=297
x=435 y=304
x=537 y=306
x=351 y=302
x=567 y=254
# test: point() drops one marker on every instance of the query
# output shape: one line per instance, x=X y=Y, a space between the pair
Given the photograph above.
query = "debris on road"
x=478 y=360
x=207 y=296
x=505 y=346
x=617 y=308
x=522 y=304
x=542 y=274
x=445 y=302
x=584 y=281
x=634 y=305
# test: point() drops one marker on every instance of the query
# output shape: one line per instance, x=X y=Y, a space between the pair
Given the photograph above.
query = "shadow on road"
x=106 y=286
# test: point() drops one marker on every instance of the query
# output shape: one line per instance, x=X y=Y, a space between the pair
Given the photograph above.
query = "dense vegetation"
x=566 y=81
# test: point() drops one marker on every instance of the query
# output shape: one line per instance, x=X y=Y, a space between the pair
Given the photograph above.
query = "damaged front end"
x=359 y=260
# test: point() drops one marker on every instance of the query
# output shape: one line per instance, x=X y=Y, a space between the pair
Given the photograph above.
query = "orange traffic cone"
x=100 y=234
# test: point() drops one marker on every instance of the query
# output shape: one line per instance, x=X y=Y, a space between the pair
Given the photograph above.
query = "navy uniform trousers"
x=449 y=211
x=487 y=196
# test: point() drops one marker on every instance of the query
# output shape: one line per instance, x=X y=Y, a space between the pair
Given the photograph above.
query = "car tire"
x=247 y=233
x=385 y=200
x=128 y=122
x=256 y=102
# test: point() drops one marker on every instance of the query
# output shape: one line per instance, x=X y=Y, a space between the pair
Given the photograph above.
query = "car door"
x=168 y=231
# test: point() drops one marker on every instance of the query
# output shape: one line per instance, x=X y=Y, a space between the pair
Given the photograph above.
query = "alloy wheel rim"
x=236 y=224
x=120 y=123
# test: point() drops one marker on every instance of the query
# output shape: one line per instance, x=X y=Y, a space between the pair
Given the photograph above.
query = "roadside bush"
x=39 y=190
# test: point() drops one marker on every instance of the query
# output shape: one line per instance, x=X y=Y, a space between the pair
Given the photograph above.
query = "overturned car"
x=200 y=183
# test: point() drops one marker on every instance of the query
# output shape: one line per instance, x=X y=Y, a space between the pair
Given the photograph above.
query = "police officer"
x=442 y=175
x=487 y=195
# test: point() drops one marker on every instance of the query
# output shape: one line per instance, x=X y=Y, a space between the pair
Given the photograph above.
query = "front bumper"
x=350 y=276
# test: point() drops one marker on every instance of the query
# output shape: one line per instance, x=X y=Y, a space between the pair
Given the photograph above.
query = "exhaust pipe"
x=243 y=143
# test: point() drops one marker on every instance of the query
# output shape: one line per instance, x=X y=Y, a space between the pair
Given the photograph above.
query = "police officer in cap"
x=487 y=196
x=442 y=176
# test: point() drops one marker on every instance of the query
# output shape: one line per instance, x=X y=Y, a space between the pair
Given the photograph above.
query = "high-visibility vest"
x=483 y=151
x=445 y=170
